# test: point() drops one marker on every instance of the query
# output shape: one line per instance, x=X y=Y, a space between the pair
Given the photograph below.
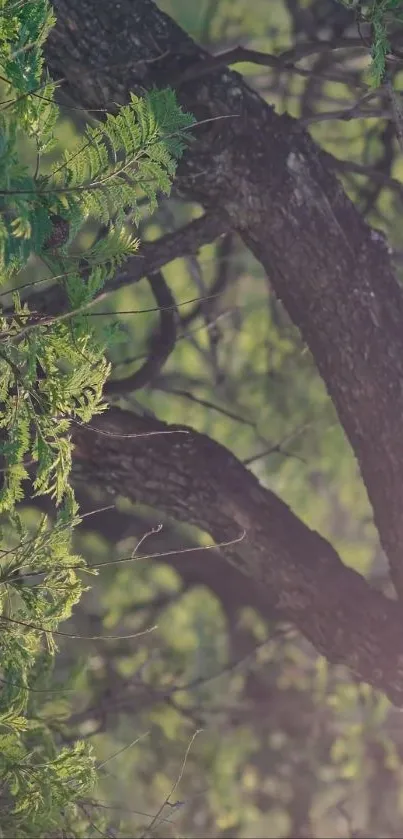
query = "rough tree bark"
x=299 y=574
x=264 y=174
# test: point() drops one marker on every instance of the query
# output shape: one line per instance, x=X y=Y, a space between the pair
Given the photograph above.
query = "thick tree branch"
x=229 y=585
x=198 y=481
x=332 y=272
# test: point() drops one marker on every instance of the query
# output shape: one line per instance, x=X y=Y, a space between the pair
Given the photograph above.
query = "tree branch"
x=198 y=481
x=161 y=345
x=239 y=54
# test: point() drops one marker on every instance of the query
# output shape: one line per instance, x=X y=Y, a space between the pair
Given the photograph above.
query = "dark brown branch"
x=229 y=585
x=161 y=345
x=369 y=171
x=195 y=480
x=347 y=114
x=239 y=54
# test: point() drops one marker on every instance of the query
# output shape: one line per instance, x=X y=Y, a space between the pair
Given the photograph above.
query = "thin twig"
x=173 y=788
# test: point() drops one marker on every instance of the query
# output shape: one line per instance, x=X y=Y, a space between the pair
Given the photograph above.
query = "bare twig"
x=162 y=344
x=167 y=801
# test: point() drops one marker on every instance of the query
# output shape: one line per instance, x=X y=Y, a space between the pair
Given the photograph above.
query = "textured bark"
x=230 y=586
x=196 y=480
x=263 y=171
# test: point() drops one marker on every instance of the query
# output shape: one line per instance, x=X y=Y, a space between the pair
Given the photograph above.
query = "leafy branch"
x=381 y=15
x=53 y=373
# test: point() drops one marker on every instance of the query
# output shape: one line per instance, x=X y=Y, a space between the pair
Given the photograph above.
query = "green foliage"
x=132 y=154
x=38 y=413
x=380 y=14
x=52 y=373
x=144 y=140
x=42 y=782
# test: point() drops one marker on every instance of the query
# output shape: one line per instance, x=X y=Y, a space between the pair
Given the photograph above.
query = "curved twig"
x=162 y=342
